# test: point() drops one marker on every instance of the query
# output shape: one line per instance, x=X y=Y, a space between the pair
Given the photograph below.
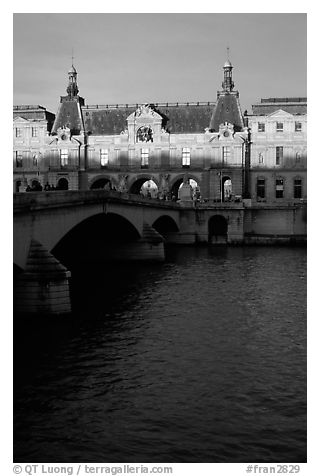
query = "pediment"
x=20 y=120
x=144 y=113
x=280 y=113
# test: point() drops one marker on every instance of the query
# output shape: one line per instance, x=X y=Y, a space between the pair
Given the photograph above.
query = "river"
x=201 y=358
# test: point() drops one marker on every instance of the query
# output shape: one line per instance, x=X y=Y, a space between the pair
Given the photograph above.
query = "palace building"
x=152 y=149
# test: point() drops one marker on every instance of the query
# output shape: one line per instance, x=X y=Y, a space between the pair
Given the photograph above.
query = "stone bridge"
x=53 y=231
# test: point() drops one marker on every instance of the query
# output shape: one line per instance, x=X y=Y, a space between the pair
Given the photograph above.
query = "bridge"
x=54 y=231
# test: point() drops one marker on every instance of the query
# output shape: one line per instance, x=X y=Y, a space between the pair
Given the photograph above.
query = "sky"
x=157 y=57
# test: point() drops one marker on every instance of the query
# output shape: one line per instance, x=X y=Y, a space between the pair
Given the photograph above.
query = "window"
x=279 y=188
x=225 y=153
x=35 y=159
x=279 y=155
x=18 y=132
x=144 y=158
x=18 y=155
x=298 y=157
x=261 y=192
x=64 y=155
x=297 y=126
x=34 y=132
x=279 y=126
x=297 y=188
x=261 y=127
x=186 y=157
x=260 y=158
x=104 y=157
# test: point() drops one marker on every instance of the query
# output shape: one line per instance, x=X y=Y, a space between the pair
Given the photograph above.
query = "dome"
x=72 y=70
x=227 y=64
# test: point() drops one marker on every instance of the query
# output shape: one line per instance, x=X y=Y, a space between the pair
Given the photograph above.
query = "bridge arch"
x=166 y=226
x=94 y=238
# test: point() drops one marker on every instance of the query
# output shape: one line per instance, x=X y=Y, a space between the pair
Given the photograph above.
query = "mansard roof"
x=177 y=118
x=291 y=105
x=227 y=110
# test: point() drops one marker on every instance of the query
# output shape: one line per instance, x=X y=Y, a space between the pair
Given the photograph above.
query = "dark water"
x=199 y=359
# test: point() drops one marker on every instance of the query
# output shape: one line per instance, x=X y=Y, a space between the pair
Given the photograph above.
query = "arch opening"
x=101 y=183
x=145 y=187
x=62 y=184
x=95 y=239
x=194 y=188
x=166 y=226
x=17 y=186
x=226 y=192
x=217 y=229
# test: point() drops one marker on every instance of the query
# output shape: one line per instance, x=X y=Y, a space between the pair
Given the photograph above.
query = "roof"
x=291 y=105
x=177 y=118
x=227 y=110
x=32 y=112
x=69 y=115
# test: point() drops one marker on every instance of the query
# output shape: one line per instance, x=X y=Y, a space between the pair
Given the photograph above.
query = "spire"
x=72 y=88
x=227 y=84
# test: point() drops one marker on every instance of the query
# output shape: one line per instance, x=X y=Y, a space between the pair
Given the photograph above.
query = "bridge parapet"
x=37 y=200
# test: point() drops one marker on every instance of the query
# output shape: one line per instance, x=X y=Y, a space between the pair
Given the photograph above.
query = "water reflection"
x=199 y=359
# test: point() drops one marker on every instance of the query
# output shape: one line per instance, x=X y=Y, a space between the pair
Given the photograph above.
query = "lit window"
x=279 y=155
x=186 y=157
x=279 y=187
x=297 y=126
x=18 y=132
x=64 y=154
x=261 y=127
x=297 y=188
x=104 y=157
x=225 y=153
x=261 y=188
x=34 y=132
x=279 y=126
x=144 y=158
x=18 y=155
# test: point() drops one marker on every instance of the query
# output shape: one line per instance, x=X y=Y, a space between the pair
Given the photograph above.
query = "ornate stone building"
x=154 y=148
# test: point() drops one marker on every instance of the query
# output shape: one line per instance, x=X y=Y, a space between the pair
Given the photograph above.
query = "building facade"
x=154 y=148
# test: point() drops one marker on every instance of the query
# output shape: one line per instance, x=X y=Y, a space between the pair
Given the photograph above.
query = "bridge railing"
x=44 y=199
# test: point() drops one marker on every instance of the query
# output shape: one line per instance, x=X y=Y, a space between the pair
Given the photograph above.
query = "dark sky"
x=158 y=57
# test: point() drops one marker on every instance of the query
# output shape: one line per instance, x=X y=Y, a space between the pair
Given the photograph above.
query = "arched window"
x=145 y=134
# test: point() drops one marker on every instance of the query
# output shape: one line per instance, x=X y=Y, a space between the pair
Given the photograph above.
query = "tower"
x=227 y=84
x=72 y=88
